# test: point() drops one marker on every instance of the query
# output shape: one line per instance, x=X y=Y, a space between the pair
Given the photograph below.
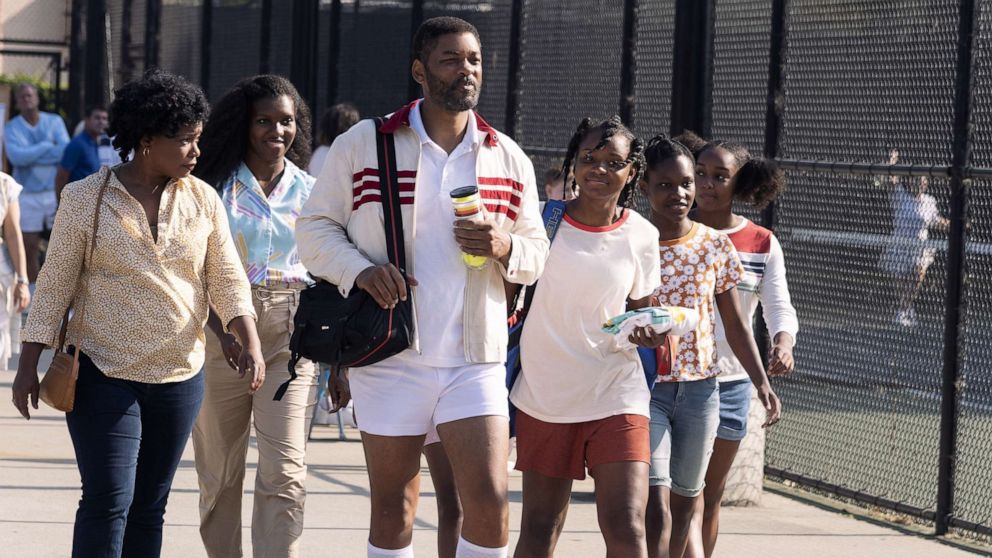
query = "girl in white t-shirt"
x=581 y=397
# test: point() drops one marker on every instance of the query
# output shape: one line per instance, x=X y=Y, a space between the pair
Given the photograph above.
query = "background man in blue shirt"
x=35 y=141
x=81 y=157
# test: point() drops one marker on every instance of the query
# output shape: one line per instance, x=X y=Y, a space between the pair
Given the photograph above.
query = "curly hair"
x=158 y=104
x=757 y=182
x=225 y=138
x=608 y=128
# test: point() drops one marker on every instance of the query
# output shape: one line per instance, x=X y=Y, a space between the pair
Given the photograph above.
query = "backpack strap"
x=554 y=212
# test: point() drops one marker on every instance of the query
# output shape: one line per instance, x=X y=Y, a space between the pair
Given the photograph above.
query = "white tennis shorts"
x=37 y=211
x=398 y=397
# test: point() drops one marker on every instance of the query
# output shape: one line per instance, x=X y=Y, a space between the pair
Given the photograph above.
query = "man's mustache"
x=465 y=80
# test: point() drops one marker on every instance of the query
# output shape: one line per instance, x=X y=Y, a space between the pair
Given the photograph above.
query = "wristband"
x=22 y=280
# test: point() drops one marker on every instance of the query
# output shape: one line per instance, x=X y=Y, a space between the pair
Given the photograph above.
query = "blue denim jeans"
x=128 y=437
x=684 y=419
x=735 y=403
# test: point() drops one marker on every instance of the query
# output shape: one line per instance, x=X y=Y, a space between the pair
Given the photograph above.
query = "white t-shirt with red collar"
x=572 y=371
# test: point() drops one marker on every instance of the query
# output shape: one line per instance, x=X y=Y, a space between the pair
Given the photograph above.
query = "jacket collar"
x=402 y=118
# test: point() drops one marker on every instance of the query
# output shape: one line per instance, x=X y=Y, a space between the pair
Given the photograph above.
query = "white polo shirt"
x=440 y=297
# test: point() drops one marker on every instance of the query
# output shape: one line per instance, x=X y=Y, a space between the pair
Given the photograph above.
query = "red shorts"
x=565 y=450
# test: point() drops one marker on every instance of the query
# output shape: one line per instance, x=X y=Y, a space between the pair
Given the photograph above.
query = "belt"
x=267 y=292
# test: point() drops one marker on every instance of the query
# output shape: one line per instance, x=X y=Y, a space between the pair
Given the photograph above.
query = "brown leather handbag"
x=58 y=387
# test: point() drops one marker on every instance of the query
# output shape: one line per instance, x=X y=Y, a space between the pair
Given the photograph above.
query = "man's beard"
x=451 y=96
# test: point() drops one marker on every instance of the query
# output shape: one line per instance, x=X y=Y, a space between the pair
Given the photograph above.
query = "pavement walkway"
x=39 y=488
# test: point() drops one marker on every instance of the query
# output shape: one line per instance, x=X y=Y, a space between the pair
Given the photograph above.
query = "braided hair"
x=758 y=180
x=661 y=148
x=608 y=128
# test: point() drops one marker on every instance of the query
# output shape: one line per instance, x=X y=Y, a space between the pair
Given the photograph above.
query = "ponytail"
x=758 y=182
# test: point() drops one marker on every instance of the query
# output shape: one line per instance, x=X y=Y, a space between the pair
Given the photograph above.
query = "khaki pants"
x=220 y=440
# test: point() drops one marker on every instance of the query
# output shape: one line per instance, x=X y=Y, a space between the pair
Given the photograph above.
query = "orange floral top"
x=694 y=269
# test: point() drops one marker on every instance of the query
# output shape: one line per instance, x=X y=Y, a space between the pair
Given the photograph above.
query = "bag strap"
x=96 y=226
x=554 y=212
x=389 y=188
x=389 y=192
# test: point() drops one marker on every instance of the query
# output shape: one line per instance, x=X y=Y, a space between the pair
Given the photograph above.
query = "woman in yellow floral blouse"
x=163 y=249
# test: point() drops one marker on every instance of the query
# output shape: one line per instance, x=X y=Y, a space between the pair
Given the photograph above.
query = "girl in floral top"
x=699 y=269
x=255 y=145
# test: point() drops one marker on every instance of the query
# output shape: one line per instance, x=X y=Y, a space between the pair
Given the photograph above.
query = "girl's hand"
x=780 y=361
x=25 y=386
x=250 y=361
x=646 y=337
x=22 y=297
x=773 y=407
x=231 y=348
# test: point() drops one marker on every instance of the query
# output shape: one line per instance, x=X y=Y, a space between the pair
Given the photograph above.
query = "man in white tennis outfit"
x=453 y=375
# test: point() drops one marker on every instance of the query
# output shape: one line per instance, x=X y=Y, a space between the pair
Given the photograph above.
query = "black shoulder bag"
x=354 y=331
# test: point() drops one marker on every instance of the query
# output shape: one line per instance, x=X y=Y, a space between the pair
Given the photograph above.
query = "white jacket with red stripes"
x=340 y=232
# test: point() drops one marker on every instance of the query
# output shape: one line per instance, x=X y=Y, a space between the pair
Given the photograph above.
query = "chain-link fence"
x=871 y=106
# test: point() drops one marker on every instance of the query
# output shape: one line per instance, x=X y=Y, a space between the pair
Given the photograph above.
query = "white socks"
x=465 y=550
x=469 y=550
x=375 y=552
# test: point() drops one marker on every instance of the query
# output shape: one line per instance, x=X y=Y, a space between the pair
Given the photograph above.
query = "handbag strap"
x=389 y=188
x=96 y=226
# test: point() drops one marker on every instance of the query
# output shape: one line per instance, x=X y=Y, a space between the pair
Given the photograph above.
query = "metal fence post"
x=206 y=33
x=76 y=72
x=775 y=104
x=775 y=107
x=265 y=37
x=333 y=52
x=126 y=69
x=513 y=69
x=960 y=183
x=416 y=18
x=303 y=49
x=628 y=63
x=692 y=66
x=95 y=91
x=153 y=26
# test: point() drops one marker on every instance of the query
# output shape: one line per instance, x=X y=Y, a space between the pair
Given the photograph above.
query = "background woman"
x=14 y=293
x=334 y=122
x=140 y=297
x=255 y=144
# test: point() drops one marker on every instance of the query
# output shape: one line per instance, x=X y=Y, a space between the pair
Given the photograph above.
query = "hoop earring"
x=144 y=152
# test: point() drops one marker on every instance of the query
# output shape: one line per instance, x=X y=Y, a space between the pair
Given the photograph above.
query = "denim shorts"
x=735 y=402
x=684 y=419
